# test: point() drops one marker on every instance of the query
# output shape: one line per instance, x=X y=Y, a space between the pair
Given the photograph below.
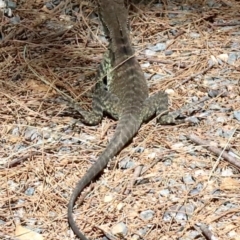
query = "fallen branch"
x=217 y=151
x=20 y=159
x=206 y=232
x=136 y=174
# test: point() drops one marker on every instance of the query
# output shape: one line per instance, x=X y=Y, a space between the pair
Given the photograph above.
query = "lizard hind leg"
x=155 y=105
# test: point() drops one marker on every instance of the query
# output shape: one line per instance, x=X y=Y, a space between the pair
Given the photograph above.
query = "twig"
x=217 y=151
x=206 y=232
x=23 y=106
x=7 y=237
x=136 y=174
x=231 y=211
x=182 y=111
x=20 y=159
x=226 y=24
x=157 y=60
x=194 y=75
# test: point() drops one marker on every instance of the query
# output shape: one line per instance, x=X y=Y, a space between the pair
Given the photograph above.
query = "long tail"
x=127 y=127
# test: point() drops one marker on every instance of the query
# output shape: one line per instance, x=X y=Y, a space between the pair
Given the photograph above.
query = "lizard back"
x=129 y=83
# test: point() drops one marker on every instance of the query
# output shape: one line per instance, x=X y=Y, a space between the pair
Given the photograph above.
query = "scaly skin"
x=126 y=97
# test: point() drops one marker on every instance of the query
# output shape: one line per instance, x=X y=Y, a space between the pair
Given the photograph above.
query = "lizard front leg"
x=103 y=102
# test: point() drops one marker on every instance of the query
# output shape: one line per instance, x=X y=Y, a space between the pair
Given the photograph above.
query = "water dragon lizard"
x=124 y=96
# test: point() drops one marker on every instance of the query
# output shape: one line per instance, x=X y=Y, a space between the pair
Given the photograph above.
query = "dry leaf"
x=23 y=233
x=39 y=87
x=14 y=139
x=230 y=184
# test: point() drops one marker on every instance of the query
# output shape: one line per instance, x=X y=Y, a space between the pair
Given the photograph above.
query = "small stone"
x=185 y=212
x=197 y=189
x=34 y=136
x=147 y=215
x=158 y=47
x=145 y=65
x=174 y=32
x=120 y=229
x=168 y=52
x=65 y=18
x=152 y=155
x=233 y=235
x=212 y=61
x=15 y=131
x=194 y=35
x=228 y=133
x=30 y=191
x=200 y=172
x=2 y=222
x=233 y=56
x=192 y=165
x=221 y=119
x=8 y=12
x=52 y=214
x=108 y=198
x=135 y=237
x=143 y=231
x=168 y=162
x=219 y=132
x=76 y=9
x=192 y=119
x=227 y=172
x=147 y=75
x=161 y=46
x=164 y=192
x=193 y=235
x=126 y=163
x=236 y=115
x=11 y=5
x=29 y=132
x=56 y=2
x=215 y=107
x=49 y=6
x=16 y=77
x=150 y=52
x=170 y=92
x=213 y=93
x=158 y=77
x=2 y=4
x=188 y=179
x=211 y=3
x=177 y=145
x=19 y=147
x=15 y=20
x=64 y=150
x=120 y=206
x=223 y=57
x=139 y=149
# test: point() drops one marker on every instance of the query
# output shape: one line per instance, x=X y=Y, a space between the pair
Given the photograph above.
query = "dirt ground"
x=189 y=184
